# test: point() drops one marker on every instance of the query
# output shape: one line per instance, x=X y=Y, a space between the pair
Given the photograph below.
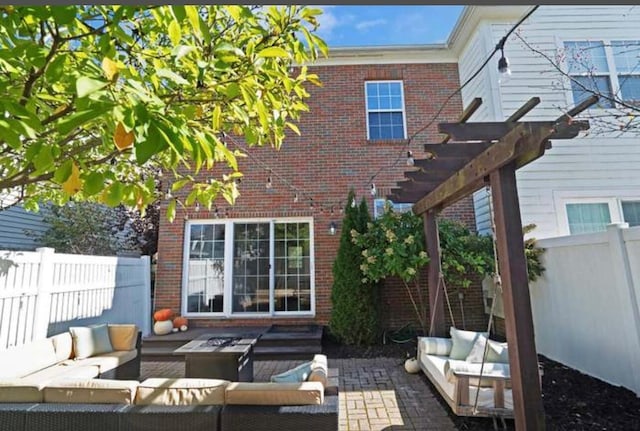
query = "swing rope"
x=497 y=280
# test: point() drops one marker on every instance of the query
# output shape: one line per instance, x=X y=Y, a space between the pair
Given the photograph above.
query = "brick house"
x=268 y=259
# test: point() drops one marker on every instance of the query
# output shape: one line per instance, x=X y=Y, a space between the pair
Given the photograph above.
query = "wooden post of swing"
x=527 y=399
x=436 y=304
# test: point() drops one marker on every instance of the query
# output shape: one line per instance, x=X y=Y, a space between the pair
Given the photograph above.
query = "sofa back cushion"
x=278 y=394
x=181 y=392
x=90 y=340
x=93 y=391
x=26 y=359
x=123 y=336
x=63 y=344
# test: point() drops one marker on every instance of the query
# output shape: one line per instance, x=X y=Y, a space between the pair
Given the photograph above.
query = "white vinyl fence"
x=586 y=307
x=43 y=293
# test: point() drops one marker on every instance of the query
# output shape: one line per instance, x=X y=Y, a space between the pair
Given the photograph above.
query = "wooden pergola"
x=471 y=156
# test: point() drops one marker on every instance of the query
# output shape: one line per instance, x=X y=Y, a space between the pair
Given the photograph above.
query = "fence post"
x=621 y=267
x=43 y=296
x=146 y=267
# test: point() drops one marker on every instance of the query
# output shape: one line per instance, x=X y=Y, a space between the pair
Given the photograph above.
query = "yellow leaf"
x=110 y=69
x=174 y=33
x=122 y=138
x=73 y=183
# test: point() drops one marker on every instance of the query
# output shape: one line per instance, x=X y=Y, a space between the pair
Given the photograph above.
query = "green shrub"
x=354 y=313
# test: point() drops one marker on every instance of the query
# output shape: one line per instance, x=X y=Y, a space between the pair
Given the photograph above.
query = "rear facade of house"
x=268 y=258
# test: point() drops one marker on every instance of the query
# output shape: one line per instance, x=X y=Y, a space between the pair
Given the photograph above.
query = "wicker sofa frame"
x=120 y=417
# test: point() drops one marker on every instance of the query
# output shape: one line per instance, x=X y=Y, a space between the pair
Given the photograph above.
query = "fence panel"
x=44 y=293
x=585 y=305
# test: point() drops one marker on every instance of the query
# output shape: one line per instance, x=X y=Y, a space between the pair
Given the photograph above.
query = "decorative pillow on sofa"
x=497 y=352
x=294 y=375
x=123 y=336
x=462 y=342
x=90 y=340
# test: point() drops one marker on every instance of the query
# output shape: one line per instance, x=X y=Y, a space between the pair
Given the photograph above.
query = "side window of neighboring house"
x=588 y=217
x=385 y=110
x=631 y=212
x=607 y=67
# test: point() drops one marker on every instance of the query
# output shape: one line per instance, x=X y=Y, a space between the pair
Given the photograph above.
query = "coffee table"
x=215 y=357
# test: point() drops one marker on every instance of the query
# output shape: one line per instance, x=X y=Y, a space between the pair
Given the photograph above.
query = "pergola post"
x=523 y=360
x=436 y=303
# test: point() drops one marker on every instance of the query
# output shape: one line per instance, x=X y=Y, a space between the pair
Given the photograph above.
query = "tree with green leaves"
x=393 y=245
x=84 y=228
x=354 y=311
x=97 y=99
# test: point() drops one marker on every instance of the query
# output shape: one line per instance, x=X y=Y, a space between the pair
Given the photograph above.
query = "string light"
x=410 y=160
x=332 y=228
x=197 y=208
x=295 y=198
x=268 y=185
x=373 y=189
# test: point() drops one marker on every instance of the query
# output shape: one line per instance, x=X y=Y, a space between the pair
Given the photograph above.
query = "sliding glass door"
x=249 y=268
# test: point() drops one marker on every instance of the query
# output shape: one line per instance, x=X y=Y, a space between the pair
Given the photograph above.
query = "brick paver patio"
x=375 y=394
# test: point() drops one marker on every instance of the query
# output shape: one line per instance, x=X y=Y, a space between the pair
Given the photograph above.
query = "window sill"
x=387 y=141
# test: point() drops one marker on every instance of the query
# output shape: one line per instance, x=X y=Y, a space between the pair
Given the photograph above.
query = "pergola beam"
x=493 y=131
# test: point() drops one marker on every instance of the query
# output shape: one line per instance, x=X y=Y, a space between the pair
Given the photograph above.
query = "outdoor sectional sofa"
x=75 y=404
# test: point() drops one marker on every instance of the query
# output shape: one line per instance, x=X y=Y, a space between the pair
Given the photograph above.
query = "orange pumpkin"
x=163 y=314
x=179 y=321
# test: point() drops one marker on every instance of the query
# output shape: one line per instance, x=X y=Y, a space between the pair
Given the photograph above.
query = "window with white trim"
x=244 y=268
x=631 y=212
x=588 y=217
x=608 y=67
x=378 y=207
x=385 y=110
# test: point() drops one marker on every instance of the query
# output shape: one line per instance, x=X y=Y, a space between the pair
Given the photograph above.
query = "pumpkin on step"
x=163 y=314
x=180 y=323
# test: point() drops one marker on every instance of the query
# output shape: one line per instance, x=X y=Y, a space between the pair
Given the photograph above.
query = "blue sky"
x=386 y=25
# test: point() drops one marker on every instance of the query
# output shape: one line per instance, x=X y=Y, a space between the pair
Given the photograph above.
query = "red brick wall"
x=332 y=156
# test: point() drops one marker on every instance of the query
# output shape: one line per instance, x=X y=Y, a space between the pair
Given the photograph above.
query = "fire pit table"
x=213 y=357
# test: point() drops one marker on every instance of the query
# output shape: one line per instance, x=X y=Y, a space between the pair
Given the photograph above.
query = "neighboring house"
x=14 y=221
x=582 y=184
x=269 y=257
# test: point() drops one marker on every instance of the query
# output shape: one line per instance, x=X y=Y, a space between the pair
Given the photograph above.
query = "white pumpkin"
x=412 y=366
x=163 y=327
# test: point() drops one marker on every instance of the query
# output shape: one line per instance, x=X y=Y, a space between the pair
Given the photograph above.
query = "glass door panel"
x=292 y=291
x=205 y=283
x=251 y=268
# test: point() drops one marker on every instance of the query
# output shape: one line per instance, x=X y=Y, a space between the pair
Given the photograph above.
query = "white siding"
x=594 y=165
x=14 y=221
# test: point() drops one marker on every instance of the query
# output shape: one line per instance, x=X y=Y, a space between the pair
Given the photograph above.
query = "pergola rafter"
x=471 y=156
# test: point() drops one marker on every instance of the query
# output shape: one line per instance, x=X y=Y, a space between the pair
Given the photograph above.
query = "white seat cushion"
x=90 y=391
x=181 y=392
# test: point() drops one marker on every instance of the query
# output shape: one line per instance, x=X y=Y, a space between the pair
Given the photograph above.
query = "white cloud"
x=327 y=22
x=366 y=25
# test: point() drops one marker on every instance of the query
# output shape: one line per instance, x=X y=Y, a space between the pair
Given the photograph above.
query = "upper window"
x=607 y=67
x=385 y=110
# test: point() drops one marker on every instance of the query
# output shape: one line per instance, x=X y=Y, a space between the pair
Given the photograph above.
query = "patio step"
x=269 y=353
x=160 y=353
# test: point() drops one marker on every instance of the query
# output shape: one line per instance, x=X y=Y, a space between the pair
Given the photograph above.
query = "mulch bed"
x=572 y=400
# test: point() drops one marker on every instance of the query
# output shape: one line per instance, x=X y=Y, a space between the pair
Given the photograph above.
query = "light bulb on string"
x=295 y=198
x=503 y=68
x=269 y=184
x=353 y=202
x=197 y=208
x=311 y=204
x=216 y=212
x=332 y=228
x=373 y=189
x=410 y=160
